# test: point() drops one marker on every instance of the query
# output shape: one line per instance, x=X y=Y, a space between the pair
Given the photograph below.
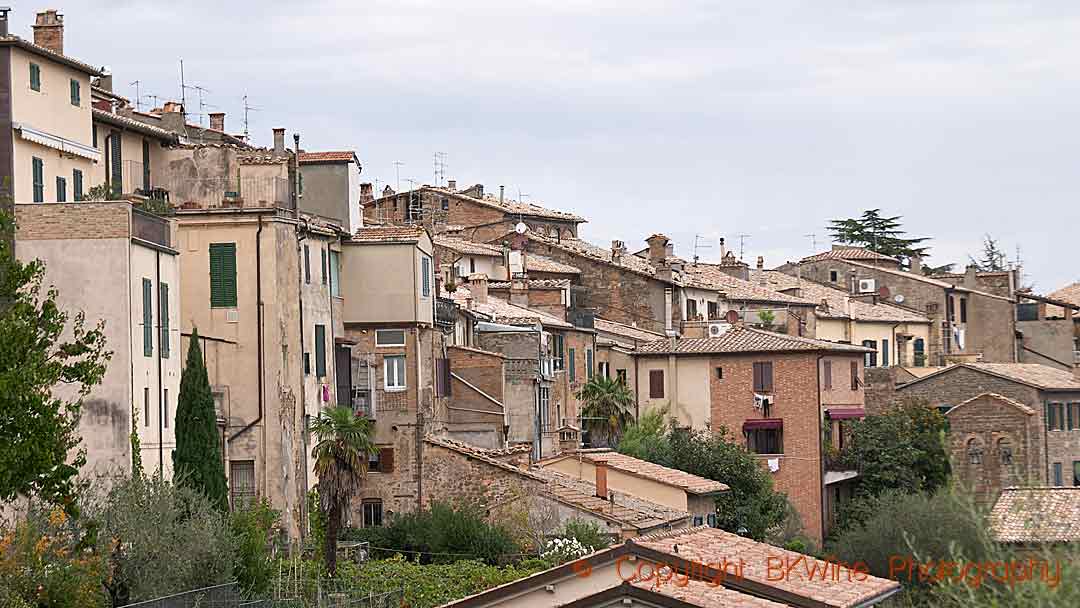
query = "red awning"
x=844 y=413
x=762 y=423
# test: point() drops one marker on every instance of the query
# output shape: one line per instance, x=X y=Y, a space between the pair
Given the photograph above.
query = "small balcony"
x=225 y=192
x=445 y=313
x=151 y=228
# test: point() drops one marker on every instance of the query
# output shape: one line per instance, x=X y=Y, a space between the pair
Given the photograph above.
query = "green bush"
x=255 y=529
x=588 y=533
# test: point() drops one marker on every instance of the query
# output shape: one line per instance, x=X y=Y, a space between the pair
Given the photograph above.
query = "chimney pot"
x=4 y=10
x=217 y=121
x=172 y=107
x=502 y=194
x=279 y=140
x=49 y=30
x=478 y=286
x=451 y=185
x=658 y=249
x=601 y=479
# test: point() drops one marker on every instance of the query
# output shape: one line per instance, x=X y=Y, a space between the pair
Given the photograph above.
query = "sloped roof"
x=996 y=397
x=401 y=234
x=1069 y=293
x=533 y=284
x=861 y=310
x=501 y=311
x=508 y=205
x=710 y=276
x=914 y=276
x=743 y=339
x=704 y=545
x=539 y=263
x=11 y=40
x=465 y=246
x=703 y=594
x=134 y=125
x=1032 y=374
x=597 y=253
x=1037 y=515
x=649 y=470
x=843 y=252
x=626 y=331
x=343 y=156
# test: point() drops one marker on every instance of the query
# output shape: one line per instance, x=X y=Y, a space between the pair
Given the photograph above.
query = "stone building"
x=1046 y=436
x=774 y=392
x=1071 y=295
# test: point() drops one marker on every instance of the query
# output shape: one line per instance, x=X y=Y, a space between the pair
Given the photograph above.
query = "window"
x=884 y=352
x=76 y=185
x=242 y=482
x=165 y=409
x=335 y=274
x=974 y=451
x=372 y=513
x=373 y=462
x=320 y=351
x=148 y=317
x=691 y=310
x=711 y=520
x=389 y=337
x=307 y=364
x=920 y=352
x=559 y=352
x=588 y=364
x=826 y=374
x=322 y=253
x=1075 y=421
x=425 y=278
x=223 y=275
x=93 y=135
x=1058 y=481
x=61 y=189
x=35 y=77
x=719 y=373
x=545 y=405
x=307 y=264
x=163 y=304
x=1069 y=416
x=834 y=276
x=763 y=377
x=765 y=441
x=605 y=369
x=854 y=375
x=472 y=265
x=951 y=312
x=382 y=461
x=39 y=179
x=394 y=373
x=870 y=359
x=146 y=406
x=656 y=384
x=76 y=95
x=1076 y=472
x=621 y=375
x=963 y=310
x=1055 y=416
x=1004 y=450
x=698 y=520
x=572 y=368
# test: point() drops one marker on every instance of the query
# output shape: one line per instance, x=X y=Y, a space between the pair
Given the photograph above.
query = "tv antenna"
x=813 y=242
x=200 y=90
x=397 y=175
x=440 y=168
x=137 y=96
x=698 y=244
x=247 y=108
x=742 y=243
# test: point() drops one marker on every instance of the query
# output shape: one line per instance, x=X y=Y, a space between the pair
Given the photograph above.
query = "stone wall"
x=977 y=435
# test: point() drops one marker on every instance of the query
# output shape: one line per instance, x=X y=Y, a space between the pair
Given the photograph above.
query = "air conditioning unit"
x=718 y=329
x=867 y=285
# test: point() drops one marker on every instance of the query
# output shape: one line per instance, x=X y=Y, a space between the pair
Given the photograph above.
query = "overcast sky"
x=687 y=117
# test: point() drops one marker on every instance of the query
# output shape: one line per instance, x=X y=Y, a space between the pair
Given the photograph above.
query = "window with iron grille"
x=372 y=513
x=242 y=482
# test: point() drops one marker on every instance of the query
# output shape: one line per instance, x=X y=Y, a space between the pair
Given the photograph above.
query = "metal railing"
x=150 y=227
x=213 y=192
x=219 y=596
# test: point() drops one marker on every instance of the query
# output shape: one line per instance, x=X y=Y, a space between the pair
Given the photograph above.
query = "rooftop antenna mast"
x=183 y=92
x=742 y=244
x=200 y=90
x=440 y=168
x=698 y=244
x=813 y=242
x=397 y=175
x=247 y=108
x=137 y=96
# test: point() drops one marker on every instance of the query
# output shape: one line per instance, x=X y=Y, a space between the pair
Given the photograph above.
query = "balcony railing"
x=150 y=227
x=445 y=312
x=215 y=192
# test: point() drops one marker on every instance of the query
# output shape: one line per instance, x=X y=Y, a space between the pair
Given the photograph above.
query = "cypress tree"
x=197 y=457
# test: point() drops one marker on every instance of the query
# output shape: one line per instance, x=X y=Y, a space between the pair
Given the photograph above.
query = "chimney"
x=4 y=10
x=519 y=292
x=478 y=286
x=723 y=249
x=279 y=141
x=502 y=194
x=601 y=479
x=761 y=271
x=49 y=31
x=618 y=248
x=105 y=82
x=658 y=249
x=915 y=262
x=667 y=312
x=172 y=107
x=853 y=283
x=451 y=185
x=217 y=121
x=971 y=276
x=367 y=192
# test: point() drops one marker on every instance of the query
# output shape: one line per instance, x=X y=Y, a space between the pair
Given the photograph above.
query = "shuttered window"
x=335 y=274
x=163 y=305
x=148 y=317
x=386 y=460
x=425 y=280
x=854 y=375
x=571 y=367
x=320 y=351
x=35 y=77
x=39 y=179
x=307 y=264
x=76 y=93
x=223 y=275
x=116 y=160
x=76 y=185
x=656 y=384
x=588 y=363
x=763 y=377
x=322 y=252
x=442 y=377
x=61 y=189
x=145 y=166
x=826 y=374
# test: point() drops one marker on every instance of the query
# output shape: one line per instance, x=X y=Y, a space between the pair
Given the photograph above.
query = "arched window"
x=974 y=451
x=1005 y=451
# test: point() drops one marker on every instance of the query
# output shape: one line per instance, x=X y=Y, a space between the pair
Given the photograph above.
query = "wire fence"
x=307 y=592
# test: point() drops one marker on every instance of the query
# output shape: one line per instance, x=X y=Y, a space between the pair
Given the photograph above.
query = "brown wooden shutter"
x=854 y=375
x=442 y=377
x=827 y=372
x=656 y=384
x=758 y=383
x=766 y=377
x=386 y=460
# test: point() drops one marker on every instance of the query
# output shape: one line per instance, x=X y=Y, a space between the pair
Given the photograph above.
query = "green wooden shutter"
x=223 y=275
x=163 y=303
x=570 y=363
x=76 y=185
x=35 y=76
x=588 y=363
x=322 y=252
x=148 y=317
x=146 y=165
x=39 y=179
x=61 y=189
x=307 y=264
x=320 y=351
x=76 y=98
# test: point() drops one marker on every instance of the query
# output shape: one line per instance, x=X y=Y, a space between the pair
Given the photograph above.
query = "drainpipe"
x=259 y=340
x=160 y=388
x=300 y=236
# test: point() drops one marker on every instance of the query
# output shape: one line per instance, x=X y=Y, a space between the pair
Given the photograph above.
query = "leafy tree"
x=608 y=409
x=197 y=460
x=254 y=527
x=993 y=259
x=877 y=233
x=751 y=508
x=588 y=533
x=343 y=443
x=41 y=348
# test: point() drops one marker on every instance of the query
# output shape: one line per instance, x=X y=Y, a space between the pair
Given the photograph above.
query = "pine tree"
x=993 y=258
x=197 y=458
x=881 y=234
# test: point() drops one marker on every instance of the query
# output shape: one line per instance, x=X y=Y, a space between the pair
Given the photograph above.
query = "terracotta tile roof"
x=710 y=276
x=134 y=125
x=11 y=40
x=1037 y=515
x=704 y=545
x=539 y=263
x=328 y=157
x=996 y=397
x=465 y=246
x=625 y=331
x=743 y=339
x=509 y=206
x=534 y=284
x=702 y=594
x=1034 y=374
x=643 y=468
x=914 y=276
x=843 y=252
x=860 y=310
x=596 y=253
x=404 y=234
x=472 y=450
x=1069 y=293
x=628 y=510
x=480 y=454
x=501 y=311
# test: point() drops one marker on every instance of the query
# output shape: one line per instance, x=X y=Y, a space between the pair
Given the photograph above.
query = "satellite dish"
x=899 y=299
x=732 y=316
x=521 y=228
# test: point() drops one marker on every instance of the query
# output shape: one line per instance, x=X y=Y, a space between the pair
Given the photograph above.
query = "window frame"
x=61 y=189
x=400 y=373
x=77 y=193
x=76 y=93
x=1058 y=472
x=376 y=511
x=769 y=437
x=226 y=295
x=763 y=370
x=380 y=344
x=35 y=77
x=656 y=384
x=37 y=169
x=425 y=276
x=320 y=351
x=335 y=273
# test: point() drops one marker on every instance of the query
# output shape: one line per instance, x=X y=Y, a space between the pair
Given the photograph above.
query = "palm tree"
x=608 y=406
x=343 y=443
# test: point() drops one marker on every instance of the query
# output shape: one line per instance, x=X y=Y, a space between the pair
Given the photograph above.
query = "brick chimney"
x=916 y=264
x=761 y=271
x=4 y=31
x=519 y=292
x=172 y=107
x=451 y=185
x=478 y=286
x=49 y=30
x=367 y=192
x=658 y=249
x=279 y=141
x=618 y=249
x=601 y=479
x=217 y=121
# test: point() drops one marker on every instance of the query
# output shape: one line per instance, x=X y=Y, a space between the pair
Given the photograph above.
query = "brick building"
x=1071 y=294
x=967 y=324
x=774 y=392
x=1040 y=419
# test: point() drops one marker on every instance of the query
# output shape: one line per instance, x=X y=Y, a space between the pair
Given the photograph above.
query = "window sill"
x=389 y=346
x=396 y=389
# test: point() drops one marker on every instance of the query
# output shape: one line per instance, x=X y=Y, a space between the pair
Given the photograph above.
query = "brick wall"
x=449 y=474
x=84 y=220
x=484 y=371
x=985 y=426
